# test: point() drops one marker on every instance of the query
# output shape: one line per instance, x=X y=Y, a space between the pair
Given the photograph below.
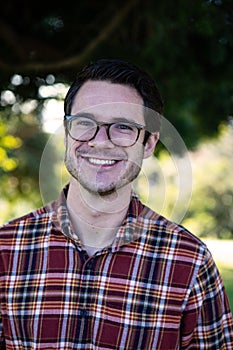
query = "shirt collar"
x=132 y=228
x=60 y=216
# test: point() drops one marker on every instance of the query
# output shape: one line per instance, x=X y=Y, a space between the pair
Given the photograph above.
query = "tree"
x=187 y=46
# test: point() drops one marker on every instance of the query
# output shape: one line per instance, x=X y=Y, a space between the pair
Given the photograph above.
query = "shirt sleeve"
x=207 y=321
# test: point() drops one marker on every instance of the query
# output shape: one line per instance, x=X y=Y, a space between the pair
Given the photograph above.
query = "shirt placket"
x=87 y=296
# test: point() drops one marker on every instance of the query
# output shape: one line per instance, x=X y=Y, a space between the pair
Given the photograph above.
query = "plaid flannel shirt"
x=155 y=287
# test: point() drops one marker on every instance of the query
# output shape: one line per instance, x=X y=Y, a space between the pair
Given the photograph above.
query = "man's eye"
x=123 y=127
x=84 y=123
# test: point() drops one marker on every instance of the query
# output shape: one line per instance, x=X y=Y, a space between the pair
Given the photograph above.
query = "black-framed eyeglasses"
x=84 y=129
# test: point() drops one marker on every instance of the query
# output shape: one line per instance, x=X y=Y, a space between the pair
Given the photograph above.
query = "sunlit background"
x=186 y=46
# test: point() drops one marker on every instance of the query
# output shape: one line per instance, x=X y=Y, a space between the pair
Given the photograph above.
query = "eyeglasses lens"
x=121 y=134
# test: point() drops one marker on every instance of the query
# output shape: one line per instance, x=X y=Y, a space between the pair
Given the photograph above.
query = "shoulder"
x=159 y=230
x=33 y=221
x=178 y=253
x=173 y=238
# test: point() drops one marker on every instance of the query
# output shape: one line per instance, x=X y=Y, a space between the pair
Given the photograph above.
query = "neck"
x=95 y=218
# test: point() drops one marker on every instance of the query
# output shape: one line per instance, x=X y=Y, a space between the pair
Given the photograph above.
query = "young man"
x=97 y=269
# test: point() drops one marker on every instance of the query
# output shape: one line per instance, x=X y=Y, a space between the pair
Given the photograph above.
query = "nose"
x=101 y=139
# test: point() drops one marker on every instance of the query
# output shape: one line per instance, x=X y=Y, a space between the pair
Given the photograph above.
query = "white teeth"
x=101 y=161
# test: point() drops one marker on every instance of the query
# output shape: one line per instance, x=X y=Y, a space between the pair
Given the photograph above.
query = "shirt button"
x=89 y=265
x=83 y=313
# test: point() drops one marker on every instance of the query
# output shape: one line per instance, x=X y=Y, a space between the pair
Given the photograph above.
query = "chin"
x=103 y=191
x=106 y=192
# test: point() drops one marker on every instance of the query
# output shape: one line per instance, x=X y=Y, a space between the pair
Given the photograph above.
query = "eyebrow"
x=114 y=119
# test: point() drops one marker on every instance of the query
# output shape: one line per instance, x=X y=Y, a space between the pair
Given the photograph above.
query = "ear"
x=150 y=144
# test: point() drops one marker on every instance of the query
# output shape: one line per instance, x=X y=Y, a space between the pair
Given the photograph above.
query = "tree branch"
x=75 y=60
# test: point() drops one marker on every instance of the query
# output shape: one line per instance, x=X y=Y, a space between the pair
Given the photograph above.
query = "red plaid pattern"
x=156 y=287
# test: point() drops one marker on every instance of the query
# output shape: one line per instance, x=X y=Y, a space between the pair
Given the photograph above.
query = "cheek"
x=136 y=155
x=71 y=145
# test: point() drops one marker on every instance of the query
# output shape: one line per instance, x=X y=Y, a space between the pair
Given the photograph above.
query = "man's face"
x=98 y=165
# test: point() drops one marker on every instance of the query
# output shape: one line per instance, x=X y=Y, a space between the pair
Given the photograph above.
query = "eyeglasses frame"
x=69 y=118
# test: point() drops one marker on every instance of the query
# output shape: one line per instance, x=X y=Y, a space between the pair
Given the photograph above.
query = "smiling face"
x=98 y=165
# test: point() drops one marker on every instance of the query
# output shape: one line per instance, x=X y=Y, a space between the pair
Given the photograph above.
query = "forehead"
x=106 y=99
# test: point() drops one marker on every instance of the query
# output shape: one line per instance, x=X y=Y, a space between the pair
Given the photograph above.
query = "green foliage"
x=8 y=143
x=211 y=209
x=207 y=211
x=21 y=146
x=186 y=45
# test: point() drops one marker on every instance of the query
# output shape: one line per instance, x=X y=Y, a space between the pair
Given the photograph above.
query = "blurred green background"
x=186 y=45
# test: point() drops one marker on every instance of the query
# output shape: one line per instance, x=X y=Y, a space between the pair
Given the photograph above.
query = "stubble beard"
x=92 y=186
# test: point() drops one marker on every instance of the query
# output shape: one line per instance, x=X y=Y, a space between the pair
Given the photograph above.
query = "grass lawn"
x=227 y=276
x=223 y=257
